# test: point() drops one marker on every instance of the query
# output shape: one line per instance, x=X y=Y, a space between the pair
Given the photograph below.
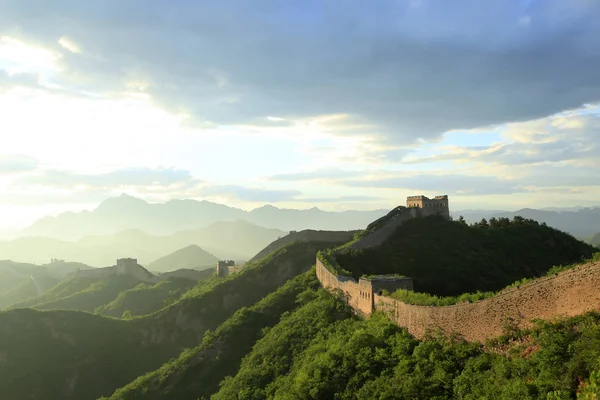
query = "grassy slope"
x=93 y=296
x=29 y=288
x=14 y=273
x=60 y=291
x=449 y=258
x=49 y=355
x=212 y=302
x=197 y=372
x=146 y=298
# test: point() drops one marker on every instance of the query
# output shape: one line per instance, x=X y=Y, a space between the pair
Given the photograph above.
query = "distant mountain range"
x=238 y=240
x=594 y=240
x=127 y=212
x=580 y=222
x=126 y=226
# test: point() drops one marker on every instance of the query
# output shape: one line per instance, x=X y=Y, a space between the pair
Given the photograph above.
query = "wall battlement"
x=124 y=266
x=568 y=293
x=437 y=205
x=227 y=267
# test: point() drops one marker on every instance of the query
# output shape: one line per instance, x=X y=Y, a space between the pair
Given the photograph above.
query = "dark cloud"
x=413 y=71
x=14 y=163
x=248 y=194
x=113 y=179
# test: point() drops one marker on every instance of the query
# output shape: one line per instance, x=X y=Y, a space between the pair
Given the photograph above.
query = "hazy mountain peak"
x=188 y=257
x=124 y=202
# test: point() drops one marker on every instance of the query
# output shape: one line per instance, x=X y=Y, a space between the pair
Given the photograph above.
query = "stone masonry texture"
x=568 y=293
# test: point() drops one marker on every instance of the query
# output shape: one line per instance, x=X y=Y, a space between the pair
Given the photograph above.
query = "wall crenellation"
x=437 y=205
x=227 y=267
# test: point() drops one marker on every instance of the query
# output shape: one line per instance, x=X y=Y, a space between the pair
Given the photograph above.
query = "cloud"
x=340 y=199
x=248 y=194
x=452 y=184
x=327 y=174
x=401 y=71
x=15 y=163
x=69 y=45
x=568 y=137
x=146 y=177
x=25 y=79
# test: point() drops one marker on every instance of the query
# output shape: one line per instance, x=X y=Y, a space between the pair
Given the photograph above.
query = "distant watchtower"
x=223 y=268
x=124 y=265
x=437 y=205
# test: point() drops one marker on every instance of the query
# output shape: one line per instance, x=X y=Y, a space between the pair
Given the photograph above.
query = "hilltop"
x=448 y=258
x=308 y=235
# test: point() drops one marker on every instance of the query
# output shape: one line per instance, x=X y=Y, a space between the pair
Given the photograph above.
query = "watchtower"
x=437 y=205
x=223 y=267
x=124 y=265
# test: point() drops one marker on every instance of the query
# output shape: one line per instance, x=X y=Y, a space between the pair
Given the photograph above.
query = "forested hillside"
x=49 y=355
x=146 y=298
x=82 y=343
x=449 y=258
x=96 y=294
x=198 y=371
x=319 y=350
x=270 y=331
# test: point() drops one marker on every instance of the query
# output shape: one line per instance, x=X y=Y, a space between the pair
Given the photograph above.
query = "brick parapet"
x=568 y=293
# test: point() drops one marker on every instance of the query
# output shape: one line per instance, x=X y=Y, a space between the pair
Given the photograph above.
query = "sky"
x=330 y=104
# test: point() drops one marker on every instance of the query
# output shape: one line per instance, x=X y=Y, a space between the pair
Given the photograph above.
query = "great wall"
x=568 y=293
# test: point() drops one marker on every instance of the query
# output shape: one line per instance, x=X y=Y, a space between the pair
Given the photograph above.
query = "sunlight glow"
x=19 y=57
x=69 y=45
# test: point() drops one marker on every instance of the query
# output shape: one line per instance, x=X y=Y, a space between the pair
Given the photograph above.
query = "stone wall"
x=379 y=236
x=347 y=285
x=96 y=273
x=127 y=268
x=568 y=293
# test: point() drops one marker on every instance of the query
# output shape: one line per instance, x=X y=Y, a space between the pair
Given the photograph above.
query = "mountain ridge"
x=237 y=240
x=128 y=212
